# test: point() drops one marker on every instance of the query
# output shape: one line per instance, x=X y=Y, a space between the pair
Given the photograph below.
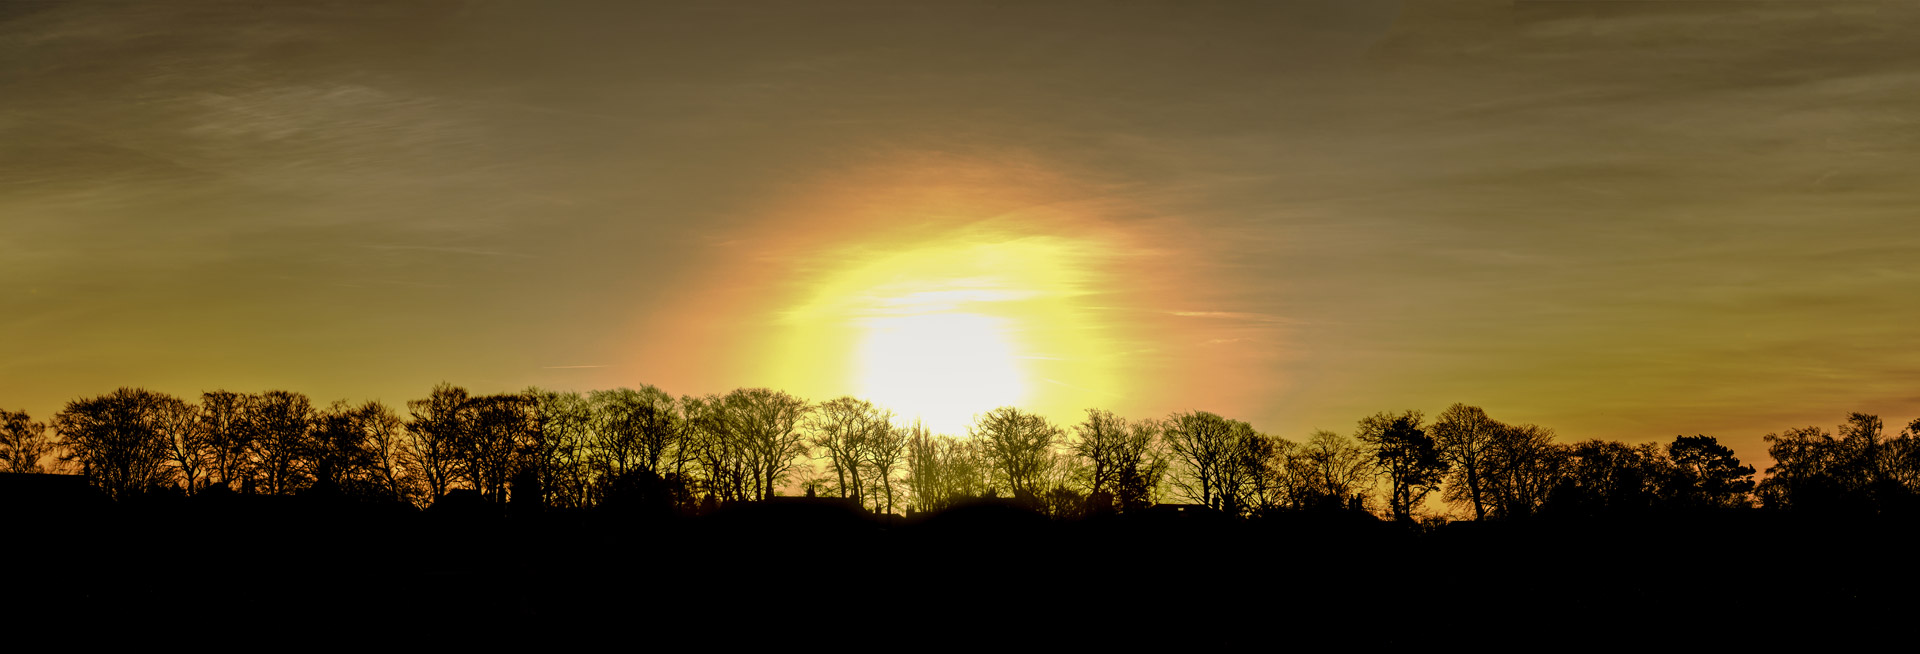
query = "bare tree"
x=282 y=424
x=502 y=436
x=1061 y=496
x=843 y=427
x=943 y=471
x=188 y=445
x=766 y=425
x=1141 y=463
x=561 y=457
x=23 y=442
x=717 y=452
x=1339 y=467
x=386 y=452
x=1523 y=463
x=1464 y=436
x=681 y=461
x=618 y=418
x=1019 y=446
x=1204 y=445
x=634 y=427
x=1284 y=479
x=1248 y=463
x=116 y=438
x=660 y=428
x=1103 y=440
x=1224 y=464
x=439 y=424
x=923 y=472
x=883 y=455
x=223 y=421
x=338 y=448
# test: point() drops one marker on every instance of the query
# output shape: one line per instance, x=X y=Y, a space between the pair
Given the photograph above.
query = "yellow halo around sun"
x=944 y=331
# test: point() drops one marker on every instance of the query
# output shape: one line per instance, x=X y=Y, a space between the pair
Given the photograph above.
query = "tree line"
x=643 y=446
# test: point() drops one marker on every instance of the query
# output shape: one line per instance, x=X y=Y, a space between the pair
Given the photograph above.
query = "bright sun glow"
x=942 y=332
x=941 y=366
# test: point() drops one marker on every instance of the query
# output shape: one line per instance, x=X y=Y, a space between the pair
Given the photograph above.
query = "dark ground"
x=814 y=575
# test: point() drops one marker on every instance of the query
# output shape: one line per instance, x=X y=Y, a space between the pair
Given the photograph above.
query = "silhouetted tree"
x=1707 y=474
x=282 y=426
x=696 y=454
x=1465 y=436
x=634 y=427
x=1204 y=444
x=1602 y=476
x=943 y=471
x=1799 y=474
x=717 y=452
x=1338 y=468
x=500 y=442
x=1814 y=470
x=659 y=427
x=1901 y=458
x=1142 y=465
x=882 y=457
x=1121 y=463
x=1522 y=466
x=561 y=458
x=23 y=442
x=189 y=447
x=968 y=472
x=1019 y=447
x=619 y=417
x=1282 y=478
x=1225 y=464
x=680 y=465
x=337 y=449
x=1250 y=462
x=1406 y=455
x=1100 y=440
x=223 y=419
x=117 y=438
x=923 y=472
x=384 y=441
x=766 y=425
x=434 y=437
x=1857 y=461
x=845 y=427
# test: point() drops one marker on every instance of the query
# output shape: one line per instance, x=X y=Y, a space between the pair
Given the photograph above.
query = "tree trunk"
x=1473 y=488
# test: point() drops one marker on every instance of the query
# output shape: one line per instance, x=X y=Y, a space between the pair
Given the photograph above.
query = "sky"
x=1619 y=220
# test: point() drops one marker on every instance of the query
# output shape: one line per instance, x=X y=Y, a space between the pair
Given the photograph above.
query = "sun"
x=947 y=330
x=941 y=367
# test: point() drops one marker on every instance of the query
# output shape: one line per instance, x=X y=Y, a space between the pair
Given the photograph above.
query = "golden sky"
x=1619 y=220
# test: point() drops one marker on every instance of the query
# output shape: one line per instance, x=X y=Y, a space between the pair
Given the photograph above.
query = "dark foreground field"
x=810 y=575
